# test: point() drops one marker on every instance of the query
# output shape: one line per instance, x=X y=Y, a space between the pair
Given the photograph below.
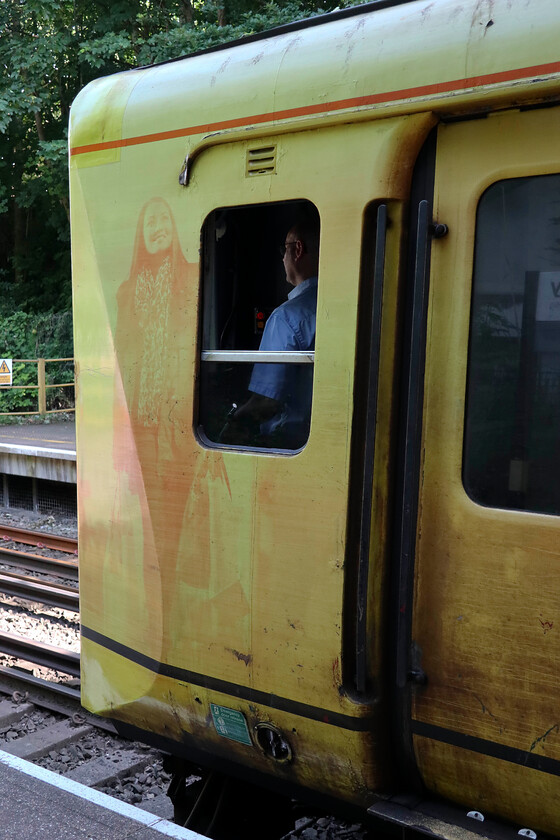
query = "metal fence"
x=41 y=388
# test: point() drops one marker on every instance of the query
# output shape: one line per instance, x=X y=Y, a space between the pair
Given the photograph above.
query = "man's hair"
x=306 y=228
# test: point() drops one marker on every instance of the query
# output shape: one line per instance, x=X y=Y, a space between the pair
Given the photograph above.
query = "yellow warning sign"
x=5 y=371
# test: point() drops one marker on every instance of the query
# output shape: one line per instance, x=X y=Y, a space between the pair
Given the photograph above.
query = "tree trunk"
x=66 y=204
x=39 y=125
x=19 y=242
x=186 y=5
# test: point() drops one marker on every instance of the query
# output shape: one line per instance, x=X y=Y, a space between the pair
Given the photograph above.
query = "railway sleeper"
x=109 y=767
x=42 y=741
x=10 y=713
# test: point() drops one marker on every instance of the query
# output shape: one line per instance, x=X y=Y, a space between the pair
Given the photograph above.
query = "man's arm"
x=258 y=407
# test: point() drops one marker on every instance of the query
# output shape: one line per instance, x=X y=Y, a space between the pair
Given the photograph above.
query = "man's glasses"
x=283 y=248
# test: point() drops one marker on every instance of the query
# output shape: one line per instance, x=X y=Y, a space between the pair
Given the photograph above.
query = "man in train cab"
x=280 y=401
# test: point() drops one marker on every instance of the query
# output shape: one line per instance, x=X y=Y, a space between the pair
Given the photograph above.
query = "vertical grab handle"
x=414 y=392
x=369 y=450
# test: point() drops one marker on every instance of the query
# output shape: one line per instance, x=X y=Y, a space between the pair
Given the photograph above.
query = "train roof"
x=379 y=59
x=294 y=26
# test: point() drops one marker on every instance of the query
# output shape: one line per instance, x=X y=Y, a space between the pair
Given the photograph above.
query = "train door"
x=484 y=638
x=266 y=564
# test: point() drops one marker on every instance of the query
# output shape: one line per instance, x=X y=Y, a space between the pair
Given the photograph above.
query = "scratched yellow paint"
x=217 y=562
x=486 y=578
x=532 y=805
x=180 y=711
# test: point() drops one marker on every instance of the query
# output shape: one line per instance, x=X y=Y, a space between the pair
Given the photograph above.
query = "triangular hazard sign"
x=4 y=367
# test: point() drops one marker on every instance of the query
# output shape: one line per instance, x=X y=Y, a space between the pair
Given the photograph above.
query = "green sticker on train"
x=231 y=724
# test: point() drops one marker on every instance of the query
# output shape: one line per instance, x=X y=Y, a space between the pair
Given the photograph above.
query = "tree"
x=50 y=49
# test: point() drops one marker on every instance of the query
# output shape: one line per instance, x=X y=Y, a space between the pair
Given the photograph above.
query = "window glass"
x=512 y=434
x=260 y=266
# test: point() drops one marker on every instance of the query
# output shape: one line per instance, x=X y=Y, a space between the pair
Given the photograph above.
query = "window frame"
x=240 y=356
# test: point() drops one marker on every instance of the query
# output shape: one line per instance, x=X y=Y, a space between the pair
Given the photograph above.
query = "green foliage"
x=173 y=29
x=50 y=49
x=45 y=172
x=26 y=335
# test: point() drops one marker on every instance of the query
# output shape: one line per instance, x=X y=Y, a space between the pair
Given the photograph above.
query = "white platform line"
x=38 y=451
x=164 y=827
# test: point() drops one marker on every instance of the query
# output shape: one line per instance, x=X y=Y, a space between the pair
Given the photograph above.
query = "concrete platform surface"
x=39 y=804
x=44 y=451
x=52 y=435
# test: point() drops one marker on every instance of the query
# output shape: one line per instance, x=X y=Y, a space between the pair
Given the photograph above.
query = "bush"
x=25 y=335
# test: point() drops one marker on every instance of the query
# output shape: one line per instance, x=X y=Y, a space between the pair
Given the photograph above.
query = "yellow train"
x=363 y=606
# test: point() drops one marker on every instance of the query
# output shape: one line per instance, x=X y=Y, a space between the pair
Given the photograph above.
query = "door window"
x=260 y=267
x=512 y=436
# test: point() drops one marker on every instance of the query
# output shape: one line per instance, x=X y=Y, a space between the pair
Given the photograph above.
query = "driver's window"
x=260 y=279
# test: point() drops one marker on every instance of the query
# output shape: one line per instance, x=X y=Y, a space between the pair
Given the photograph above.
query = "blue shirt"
x=290 y=327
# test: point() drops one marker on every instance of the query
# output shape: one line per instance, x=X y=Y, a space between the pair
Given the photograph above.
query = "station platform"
x=37 y=803
x=44 y=451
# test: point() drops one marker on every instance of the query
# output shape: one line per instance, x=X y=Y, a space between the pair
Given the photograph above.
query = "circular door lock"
x=272 y=742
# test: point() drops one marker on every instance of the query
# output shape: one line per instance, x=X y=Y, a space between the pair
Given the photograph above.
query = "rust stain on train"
x=337 y=676
x=247 y=658
x=425 y=12
x=545 y=624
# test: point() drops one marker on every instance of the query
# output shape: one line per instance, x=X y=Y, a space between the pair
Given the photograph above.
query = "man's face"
x=157 y=228
x=289 y=256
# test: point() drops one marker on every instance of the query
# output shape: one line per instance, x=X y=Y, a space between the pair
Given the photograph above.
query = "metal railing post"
x=41 y=387
x=41 y=382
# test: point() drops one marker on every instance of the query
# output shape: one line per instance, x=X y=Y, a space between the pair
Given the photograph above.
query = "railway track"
x=53 y=594
x=41 y=719
x=64 y=564
x=56 y=733
x=30 y=587
x=53 y=582
x=38 y=539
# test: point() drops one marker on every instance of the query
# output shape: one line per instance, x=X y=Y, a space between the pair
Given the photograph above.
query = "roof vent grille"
x=261 y=161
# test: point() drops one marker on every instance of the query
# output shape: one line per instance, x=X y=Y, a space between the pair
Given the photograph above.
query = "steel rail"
x=39 y=539
x=37 y=563
x=52 y=594
x=56 y=697
x=38 y=653
x=22 y=678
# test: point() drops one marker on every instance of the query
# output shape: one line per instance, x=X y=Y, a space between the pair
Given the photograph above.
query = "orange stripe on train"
x=339 y=105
